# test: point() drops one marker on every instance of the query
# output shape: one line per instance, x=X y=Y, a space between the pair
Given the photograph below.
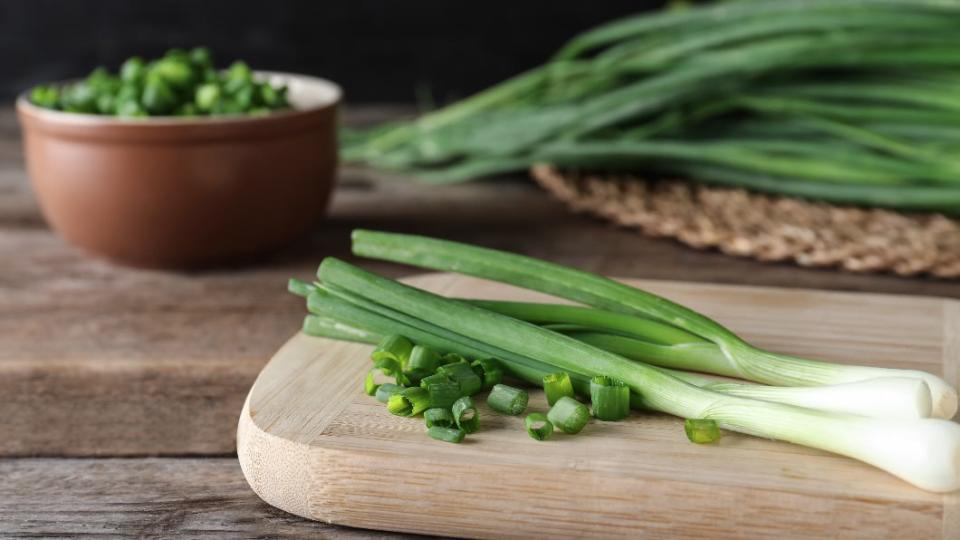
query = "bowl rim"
x=333 y=90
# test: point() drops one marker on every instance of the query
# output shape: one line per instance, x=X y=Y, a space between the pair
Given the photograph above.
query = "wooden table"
x=100 y=360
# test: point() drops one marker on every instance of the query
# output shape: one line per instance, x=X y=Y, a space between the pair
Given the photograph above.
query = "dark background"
x=379 y=51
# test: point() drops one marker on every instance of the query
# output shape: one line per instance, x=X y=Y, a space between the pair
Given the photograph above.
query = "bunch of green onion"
x=850 y=101
x=631 y=339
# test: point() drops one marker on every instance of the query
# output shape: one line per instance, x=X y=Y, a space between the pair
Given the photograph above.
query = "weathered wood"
x=102 y=360
x=312 y=443
x=144 y=498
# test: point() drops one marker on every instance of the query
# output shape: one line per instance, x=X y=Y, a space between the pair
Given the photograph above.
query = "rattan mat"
x=768 y=228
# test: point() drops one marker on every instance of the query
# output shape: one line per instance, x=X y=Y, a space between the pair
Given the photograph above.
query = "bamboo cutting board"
x=312 y=443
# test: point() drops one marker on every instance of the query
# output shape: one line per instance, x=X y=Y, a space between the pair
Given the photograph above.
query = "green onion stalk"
x=739 y=358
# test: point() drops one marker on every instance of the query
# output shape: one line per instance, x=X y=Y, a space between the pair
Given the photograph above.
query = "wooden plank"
x=144 y=498
x=312 y=443
x=109 y=359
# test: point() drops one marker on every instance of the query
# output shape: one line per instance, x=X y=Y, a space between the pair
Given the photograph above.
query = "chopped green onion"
x=557 y=385
x=393 y=348
x=392 y=355
x=423 y=359
x=489 y=371
x=439 y=417
x=443 y=391
x=701 y=431
x=463 y=374
x=409 y=402
x=538 y=426
x=452 y=358
x=386 y=390
x=369 y=385
x=465 y=415
x=446 y=434
x=436 y=377
x=507 y=399
x=569 y=415
x=610 y=398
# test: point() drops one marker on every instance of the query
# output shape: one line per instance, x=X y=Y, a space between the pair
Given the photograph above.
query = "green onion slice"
x=452 y=358
x=465 y=415
x=384 y=391
x=423 y=359
x=557 y=385
x=369 y=385
x=538 y=426
x=463 y=374
x=439 y=417
x=446 y=434
x=442 y=390
x=507 y=399
x=409 y=402
x=392 y=353
x=489 y=370
x=610 y=398
x=569 y=415
x=701 y=431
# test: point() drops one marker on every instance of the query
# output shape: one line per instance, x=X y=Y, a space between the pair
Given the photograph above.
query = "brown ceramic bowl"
x=185 y=192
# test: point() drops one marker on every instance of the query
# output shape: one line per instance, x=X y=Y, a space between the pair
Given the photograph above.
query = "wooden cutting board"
x=312 y=443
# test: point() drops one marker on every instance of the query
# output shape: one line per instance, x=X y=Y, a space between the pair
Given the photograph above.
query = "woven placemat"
x=768 y=228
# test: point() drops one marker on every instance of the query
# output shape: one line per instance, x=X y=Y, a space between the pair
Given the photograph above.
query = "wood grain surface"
x=144 y=498
x=312 y=443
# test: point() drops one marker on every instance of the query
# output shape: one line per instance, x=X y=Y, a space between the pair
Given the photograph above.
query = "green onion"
x=369 y=386
x=507 y=399
x=409 y=402
x=701 y=431
x=608 y=321
x=439 y=417
x=443 y=391
x=435 y=378
x=446 y=434
x=465 y=414
x=315 y=325
x=299 y=287
x=423 y=359
x=453 y=358
x=391 y=356
x=538 y=426
x=569 y=415
x=928 y=461
x=393 y=349
x=461 y=373
x=488 y=370
x=384 y=391
x=739 y=357
x=180 y=83
x=903 y=397
x=610 y=398
x=556 y=386
x=727 y=92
